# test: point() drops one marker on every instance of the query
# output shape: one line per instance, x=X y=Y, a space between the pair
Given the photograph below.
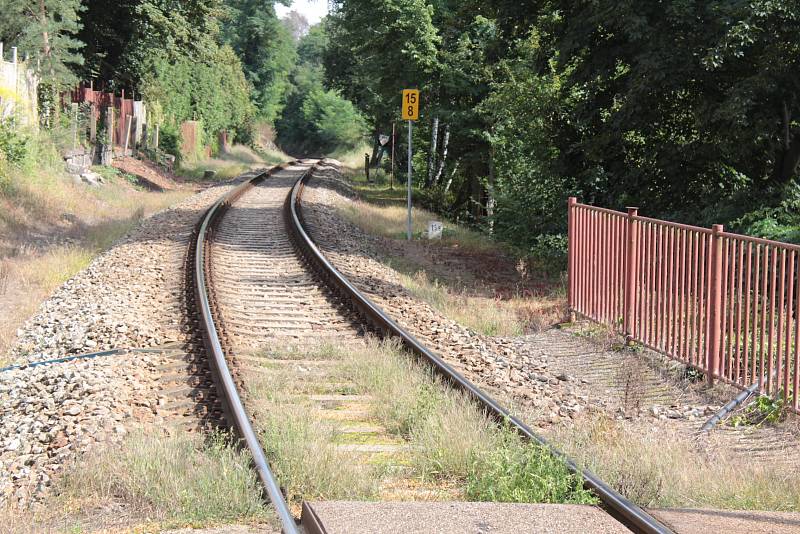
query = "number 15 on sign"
x=410 y=104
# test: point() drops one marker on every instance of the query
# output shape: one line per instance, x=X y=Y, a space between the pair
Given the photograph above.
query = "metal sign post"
x=410 y=127
x=410 y=113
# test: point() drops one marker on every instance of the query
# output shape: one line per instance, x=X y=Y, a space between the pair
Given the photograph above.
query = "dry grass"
x=239 y=159
x=300 y=443
x=159 y=481
x=476 y=308
x=660 y=469
x=40 y=206
x=353 y=159
x=491 y=317
x=391 y=221
x=452 y=444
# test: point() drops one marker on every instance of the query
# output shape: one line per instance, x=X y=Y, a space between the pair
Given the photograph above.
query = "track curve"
x=624 y=510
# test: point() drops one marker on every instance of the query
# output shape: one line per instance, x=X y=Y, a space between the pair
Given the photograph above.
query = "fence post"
x=571 y=257
x=715 y=304
x=631 y=273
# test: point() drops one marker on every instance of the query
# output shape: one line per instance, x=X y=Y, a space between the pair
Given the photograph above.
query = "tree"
x=267 y=51
x=316 y=121
x=378 y=48
x=298 y=25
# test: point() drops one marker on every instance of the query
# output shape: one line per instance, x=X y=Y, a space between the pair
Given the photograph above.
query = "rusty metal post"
x=571 y=202
x=715 y=304
x=631 y=273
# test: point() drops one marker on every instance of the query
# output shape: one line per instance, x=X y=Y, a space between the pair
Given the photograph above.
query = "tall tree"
x=267 y=50
x=46 y=30
x=377 y=48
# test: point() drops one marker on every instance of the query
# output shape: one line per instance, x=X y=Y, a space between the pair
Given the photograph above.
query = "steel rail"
x=627 y=512
x=233 y=407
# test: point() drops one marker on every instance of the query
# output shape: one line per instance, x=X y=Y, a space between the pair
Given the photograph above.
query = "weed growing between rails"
x=451 y=448
x=155 y=482
x=452 y=440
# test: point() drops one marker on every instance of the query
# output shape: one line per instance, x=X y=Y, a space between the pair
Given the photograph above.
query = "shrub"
x=14 y=145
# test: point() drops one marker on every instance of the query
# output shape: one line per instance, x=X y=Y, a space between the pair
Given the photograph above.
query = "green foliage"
x=266 y=48
x=123 y=36
x=14 y=145
x=687 y=110
x=169 y=140
x=378 y=48
x=763 y=410
x=316 y=120
x=46 y=30
x=215 y=92
x=333 y=120
x=525 y=473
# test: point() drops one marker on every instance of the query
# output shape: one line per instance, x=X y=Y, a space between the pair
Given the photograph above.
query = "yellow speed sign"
x=410 y=104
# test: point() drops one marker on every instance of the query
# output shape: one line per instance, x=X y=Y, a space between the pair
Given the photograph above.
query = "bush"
x=524 y=472
x=169 y=140
x=14 y=146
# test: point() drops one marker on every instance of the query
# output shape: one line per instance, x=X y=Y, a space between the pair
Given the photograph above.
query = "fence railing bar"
x=796 y=388
x=772 y=297
x=748 y=279
x=786 y=357
x=761 y=241
x=763 y=330
x=779 y=338
x=671 y=224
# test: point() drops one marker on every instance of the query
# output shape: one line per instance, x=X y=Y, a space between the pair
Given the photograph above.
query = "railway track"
x=257 y=278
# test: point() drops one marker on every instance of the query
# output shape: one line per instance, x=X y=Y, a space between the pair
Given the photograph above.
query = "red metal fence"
x=725 y=303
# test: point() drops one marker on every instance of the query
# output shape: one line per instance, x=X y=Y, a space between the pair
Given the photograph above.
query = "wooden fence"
x=127 y=123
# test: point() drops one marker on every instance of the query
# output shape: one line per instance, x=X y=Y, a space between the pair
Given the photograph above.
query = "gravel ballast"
x=131 y=296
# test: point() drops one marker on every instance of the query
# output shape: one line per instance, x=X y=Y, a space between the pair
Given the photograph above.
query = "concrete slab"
x=338 y=517
x=729 y=521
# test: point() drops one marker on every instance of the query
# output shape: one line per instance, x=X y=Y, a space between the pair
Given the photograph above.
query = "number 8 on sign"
x=410 y=104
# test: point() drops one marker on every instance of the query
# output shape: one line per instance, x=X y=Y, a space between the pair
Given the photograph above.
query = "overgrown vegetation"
x=762 y=410
x=453 y=447
x=452 y=439
x=689 y=111
x=316 y=120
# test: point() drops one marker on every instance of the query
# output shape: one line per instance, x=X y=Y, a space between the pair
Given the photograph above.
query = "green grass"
x=452 y=440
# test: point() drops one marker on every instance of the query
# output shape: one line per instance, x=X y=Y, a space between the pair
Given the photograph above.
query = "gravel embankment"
x=53 y=412
x=129 y=297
